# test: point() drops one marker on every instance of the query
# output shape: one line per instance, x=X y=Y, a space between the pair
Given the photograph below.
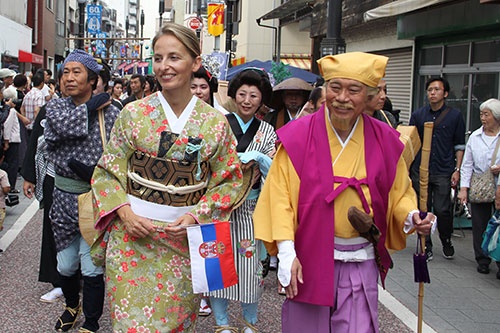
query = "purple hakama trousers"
x=356 y=303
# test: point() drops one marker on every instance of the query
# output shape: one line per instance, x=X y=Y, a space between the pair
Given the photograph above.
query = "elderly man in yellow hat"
x=336 y=161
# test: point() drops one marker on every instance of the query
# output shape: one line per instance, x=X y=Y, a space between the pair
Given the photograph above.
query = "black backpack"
x=4 y=113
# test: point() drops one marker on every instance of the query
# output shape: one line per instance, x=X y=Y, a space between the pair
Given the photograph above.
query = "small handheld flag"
x=212 y=260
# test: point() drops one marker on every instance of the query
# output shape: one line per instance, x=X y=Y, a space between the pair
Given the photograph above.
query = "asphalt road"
x=21 y=311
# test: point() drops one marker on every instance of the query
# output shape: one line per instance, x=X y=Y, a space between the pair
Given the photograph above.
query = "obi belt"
x=165 y=181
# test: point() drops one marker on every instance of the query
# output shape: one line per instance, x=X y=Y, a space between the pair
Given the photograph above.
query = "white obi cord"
x=366 y=253
x=155 y=211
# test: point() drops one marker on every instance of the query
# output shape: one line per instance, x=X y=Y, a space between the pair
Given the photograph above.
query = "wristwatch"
x=456 y=169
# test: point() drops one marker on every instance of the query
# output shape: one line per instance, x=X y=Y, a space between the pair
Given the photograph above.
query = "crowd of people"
x=295 y=168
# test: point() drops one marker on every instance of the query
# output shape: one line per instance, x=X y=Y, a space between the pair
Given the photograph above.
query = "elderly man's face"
x=293 y=99
x=74 y=79
x=377 y=102
x=346 y=99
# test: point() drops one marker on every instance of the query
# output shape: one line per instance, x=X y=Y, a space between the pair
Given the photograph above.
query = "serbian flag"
x=212 y=261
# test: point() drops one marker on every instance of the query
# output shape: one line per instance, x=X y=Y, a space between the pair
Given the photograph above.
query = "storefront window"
x=458 y=94
x=470 y=84
x=431 y=56
x=486 y=52
x=457 y=54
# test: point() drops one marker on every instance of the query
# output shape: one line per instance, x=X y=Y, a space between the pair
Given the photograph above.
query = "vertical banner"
x=101 y=44
x=94 y=13
x=216 y=64
x=215 y=17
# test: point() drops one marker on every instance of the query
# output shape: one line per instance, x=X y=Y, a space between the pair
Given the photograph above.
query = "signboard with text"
x=94 y=13
x=101 y=44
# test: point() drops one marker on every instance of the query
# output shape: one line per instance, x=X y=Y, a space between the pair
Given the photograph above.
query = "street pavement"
x=458 y=299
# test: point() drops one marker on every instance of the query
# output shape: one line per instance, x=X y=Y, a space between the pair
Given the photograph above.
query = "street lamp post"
x=126 y=27
x=81 y=22
x=142 y=30
x=161 y=10
x=333 y=43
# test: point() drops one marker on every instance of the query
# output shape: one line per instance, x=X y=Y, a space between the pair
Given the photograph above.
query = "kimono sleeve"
x=226 y=182
x=65 y=122
x=402 y=200
x=275 y=216
x=109 y=181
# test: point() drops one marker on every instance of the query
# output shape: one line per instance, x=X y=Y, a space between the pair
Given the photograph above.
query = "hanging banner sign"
x=94 y=13
x=215 y=13
x=101 y=43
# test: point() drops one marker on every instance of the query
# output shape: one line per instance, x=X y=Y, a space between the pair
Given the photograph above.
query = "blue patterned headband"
x=85 y=59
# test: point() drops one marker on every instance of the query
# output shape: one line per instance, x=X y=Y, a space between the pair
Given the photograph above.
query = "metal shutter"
x=398 y=76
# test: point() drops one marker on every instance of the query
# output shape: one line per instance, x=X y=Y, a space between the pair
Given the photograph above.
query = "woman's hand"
x=174 y=230
x=495 y=169
x=136 y=226
x=247 y=166
x=462 y=195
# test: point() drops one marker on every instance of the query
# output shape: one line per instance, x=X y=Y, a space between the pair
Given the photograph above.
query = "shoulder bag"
x=482 y=185
x=85 y=206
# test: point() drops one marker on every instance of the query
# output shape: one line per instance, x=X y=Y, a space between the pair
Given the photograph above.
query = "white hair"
x=493 y=105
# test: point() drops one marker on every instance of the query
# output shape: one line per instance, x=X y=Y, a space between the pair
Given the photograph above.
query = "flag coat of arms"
x=215 y=18
x=212 y=261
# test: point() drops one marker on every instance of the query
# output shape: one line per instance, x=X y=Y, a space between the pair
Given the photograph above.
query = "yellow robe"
x=275 y=217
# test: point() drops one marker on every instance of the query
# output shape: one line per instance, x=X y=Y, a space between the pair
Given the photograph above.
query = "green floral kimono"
x=149 y=279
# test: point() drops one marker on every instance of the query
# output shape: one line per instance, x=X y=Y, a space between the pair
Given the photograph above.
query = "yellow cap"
x=363 y=67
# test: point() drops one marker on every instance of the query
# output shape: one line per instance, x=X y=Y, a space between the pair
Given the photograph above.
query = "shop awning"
x=30 y=57
x=301 y=60
x=285 y=9
x=399 y=7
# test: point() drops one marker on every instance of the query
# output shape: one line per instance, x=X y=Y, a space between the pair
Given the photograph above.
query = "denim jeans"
x=219 y=307
x=76 y=254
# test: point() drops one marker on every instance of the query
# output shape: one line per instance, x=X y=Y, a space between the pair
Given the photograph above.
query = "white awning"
x=399 y=7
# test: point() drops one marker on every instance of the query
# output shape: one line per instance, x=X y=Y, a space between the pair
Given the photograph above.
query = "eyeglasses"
x=434 y=89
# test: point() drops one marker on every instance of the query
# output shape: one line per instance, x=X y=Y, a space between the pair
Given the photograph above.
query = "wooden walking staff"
x=420 y=258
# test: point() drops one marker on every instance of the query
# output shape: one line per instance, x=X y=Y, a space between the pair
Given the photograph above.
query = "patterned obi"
x=166 y=182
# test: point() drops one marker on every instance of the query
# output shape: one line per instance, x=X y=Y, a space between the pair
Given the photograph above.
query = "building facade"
x=15 y=39
x=459 y=40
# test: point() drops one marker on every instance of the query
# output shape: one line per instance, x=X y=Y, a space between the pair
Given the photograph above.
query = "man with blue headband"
x=74 y=141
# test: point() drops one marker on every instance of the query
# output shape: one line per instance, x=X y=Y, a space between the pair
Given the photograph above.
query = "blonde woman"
x=168 y=138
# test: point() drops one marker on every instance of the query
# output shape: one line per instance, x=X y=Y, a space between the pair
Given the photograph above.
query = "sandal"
x=85 y=330
x=68 y=319
x=205 y=309
x=248 y=326
x=220 y=329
